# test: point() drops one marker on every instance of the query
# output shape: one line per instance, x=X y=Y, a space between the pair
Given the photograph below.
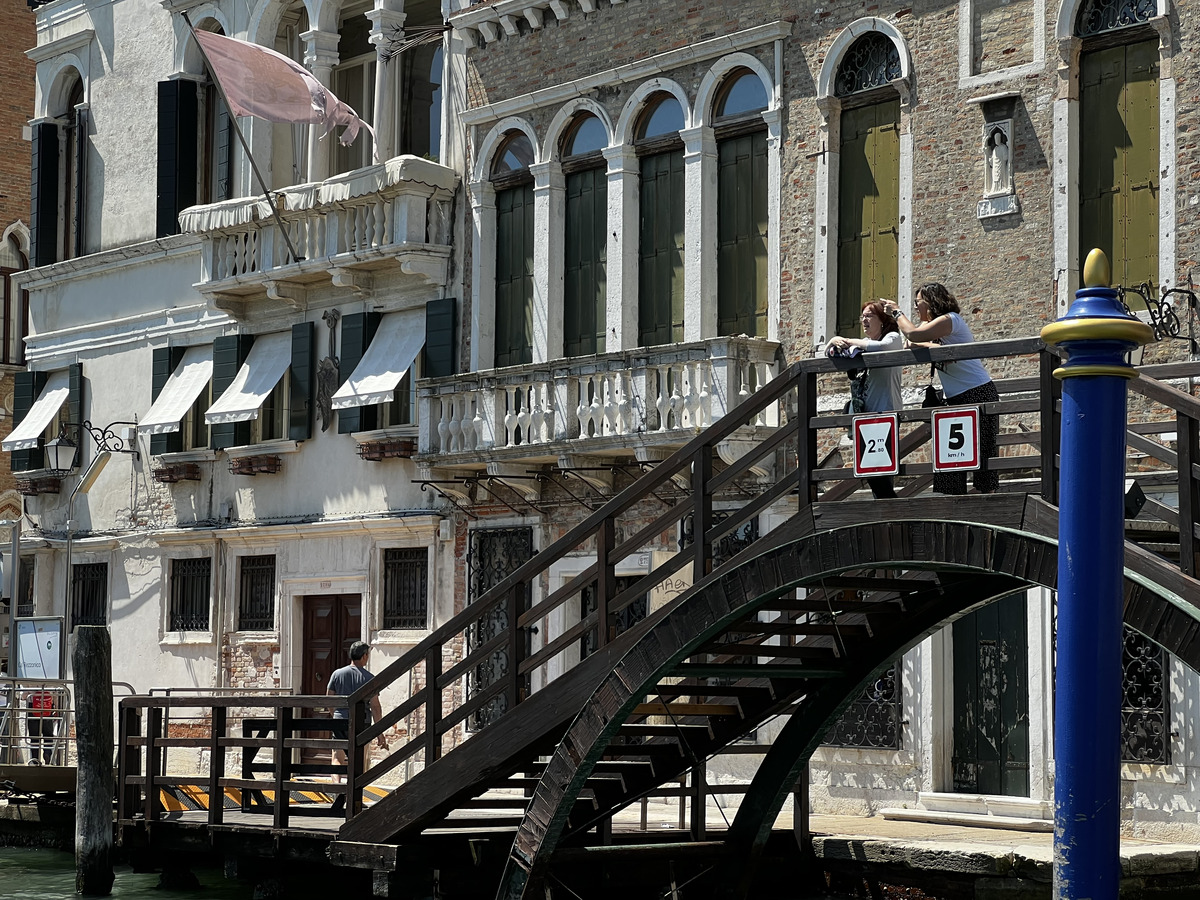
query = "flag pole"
x=233 y=120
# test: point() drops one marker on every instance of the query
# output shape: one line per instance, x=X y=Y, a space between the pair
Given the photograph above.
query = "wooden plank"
x=1005 y=510
x=686 y=709
x=216 y=765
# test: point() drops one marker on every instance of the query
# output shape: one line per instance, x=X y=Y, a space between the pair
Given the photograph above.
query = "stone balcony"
x=393 y=217
x=634 y=405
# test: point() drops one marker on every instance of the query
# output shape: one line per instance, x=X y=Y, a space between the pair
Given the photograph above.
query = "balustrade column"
x=1097 y=334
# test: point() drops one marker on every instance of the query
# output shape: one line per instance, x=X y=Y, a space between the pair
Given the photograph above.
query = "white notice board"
x=39 y=648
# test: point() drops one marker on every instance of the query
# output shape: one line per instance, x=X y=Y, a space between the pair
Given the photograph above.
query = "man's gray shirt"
x=345 y=681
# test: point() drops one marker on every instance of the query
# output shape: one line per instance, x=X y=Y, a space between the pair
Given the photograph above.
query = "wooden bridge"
x=579 y=721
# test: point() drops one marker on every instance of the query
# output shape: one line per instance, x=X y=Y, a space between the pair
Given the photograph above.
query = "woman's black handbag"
x=858 y=395
x=933 y=395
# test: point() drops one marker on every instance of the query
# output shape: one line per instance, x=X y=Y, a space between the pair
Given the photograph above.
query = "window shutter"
x=440 y=343
x=165 y=361
x=81 y=155
x=302 y=373
x=178 y=114
x=357 y=331
x=26 y=387
x=43 y=217
x=75 y=393
x=229 y=353
x=223 y=148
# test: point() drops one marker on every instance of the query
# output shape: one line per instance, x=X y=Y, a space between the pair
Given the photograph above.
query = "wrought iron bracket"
x=1164 y=319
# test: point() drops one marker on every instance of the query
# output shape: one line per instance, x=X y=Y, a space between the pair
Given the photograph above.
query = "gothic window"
x=1119 y=175
x=660 y=263
x=584 y=293
x=1145 y=710
x=514 y=251
x=16 y=304
x=59 y=178
x=421 y=99
x=1098 y=16
x=871 y=62
x=741 y=205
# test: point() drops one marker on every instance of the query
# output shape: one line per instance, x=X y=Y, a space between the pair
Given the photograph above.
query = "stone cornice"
x=65 y=44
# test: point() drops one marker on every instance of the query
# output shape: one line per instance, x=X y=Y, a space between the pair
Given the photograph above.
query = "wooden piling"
x=92 y=662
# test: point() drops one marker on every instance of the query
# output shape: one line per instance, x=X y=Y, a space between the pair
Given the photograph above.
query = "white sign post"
x=876 y=444
x=956 y=439
x=38 y=648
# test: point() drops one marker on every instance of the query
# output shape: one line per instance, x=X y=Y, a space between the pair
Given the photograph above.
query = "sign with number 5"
x=956 y=439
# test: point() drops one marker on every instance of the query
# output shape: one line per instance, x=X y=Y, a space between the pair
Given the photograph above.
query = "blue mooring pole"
x=1097 y=334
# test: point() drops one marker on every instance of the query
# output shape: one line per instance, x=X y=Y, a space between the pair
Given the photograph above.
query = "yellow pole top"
x=1096 y=269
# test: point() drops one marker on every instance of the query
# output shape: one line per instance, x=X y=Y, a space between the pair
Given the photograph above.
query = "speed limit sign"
x=956 y=439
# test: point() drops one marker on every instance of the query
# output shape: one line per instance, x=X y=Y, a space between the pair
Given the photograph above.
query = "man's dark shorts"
x=341 y=729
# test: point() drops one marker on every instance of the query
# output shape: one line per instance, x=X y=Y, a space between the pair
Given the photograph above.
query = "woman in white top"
x=882 y=389
x=965 y=381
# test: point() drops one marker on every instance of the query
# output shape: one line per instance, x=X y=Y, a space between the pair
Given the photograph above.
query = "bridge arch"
x=971 y=565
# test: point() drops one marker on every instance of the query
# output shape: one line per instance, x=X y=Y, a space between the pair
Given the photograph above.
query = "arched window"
x=741 y=205
x=1119 y=160
x=869 y=179
x=56 y=228
x=216 y=144
x=421 y=106
x=513 y=183
x=584 y=288
x=16 y=304
x=660 y=254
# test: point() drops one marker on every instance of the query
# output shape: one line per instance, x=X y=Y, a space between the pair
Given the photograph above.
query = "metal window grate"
x=1145 y=708
x=1099 y=16
x=405 y=588
x=872 y=720
x=256 y=593
x=190 y=581
x=872 y=61
x=89 y=594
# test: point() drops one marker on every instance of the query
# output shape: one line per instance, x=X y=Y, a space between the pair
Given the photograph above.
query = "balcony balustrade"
x=395 y=214
x=612 y=404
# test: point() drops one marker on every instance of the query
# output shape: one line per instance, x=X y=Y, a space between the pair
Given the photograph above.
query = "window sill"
x=266 y=448
x=391 y=433
x=179 y=638
x=255 y=637
x=187 y=456
x=401 y=636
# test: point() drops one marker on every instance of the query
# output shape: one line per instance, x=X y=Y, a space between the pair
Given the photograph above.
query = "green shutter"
x=75 y=393
x=868 y=209
x=440 y=338
x=26 y=387
x=358 y=330
x=303 y=377
x=1119 y=160
x=514 y=276
x=584 y=289
x=43 y=217
x=660 y=270
x=178 y=115
x=223 y=151
x=742 y=235
x=165 y=361
x=229 y=352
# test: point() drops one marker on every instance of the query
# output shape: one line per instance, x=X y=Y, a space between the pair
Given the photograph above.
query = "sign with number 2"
x=876 y=446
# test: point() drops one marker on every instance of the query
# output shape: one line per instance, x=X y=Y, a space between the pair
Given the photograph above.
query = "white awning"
x=264 y=366
x=41 y=414
x=180 y=392
x=397 y=342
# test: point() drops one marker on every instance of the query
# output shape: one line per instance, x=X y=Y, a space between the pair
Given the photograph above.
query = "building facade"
x=594 y=227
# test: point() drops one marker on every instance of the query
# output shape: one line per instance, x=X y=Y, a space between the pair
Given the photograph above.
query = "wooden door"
x=991 y=700
x=1118 y=160
x=868 y=209
x=332 y=622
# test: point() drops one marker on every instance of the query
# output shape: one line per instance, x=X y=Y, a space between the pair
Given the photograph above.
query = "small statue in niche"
x=327 y=373
x=999 y=163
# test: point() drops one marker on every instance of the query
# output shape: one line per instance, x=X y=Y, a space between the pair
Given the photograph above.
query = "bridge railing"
x=551 y=612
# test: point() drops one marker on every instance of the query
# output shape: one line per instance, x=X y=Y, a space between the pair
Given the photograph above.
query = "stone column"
x=320 y=56
x=699 y=233
x=387 y=23
x=621 y=314
x=549 y=222
x=483 y=276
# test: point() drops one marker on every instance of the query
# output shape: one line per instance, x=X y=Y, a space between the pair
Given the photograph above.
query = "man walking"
x=344 y=682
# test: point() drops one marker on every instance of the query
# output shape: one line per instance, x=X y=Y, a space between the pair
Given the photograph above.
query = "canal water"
x=28 y=874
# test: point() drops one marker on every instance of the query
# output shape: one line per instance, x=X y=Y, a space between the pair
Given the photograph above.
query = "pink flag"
x=260 y=82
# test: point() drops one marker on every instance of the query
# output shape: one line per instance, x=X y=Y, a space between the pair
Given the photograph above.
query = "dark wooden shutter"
x=303 y=376
x=178 y=114
x=742 y=235
x=514 y=276
x=358 y=330
x=584 y=288
x=223 y=151
x=43 y=217
x=81 y=155
x=660 y=249
x=26 y=387
x=229 y=352
x=440 y=338
x=166 y=359
x=75 y=393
